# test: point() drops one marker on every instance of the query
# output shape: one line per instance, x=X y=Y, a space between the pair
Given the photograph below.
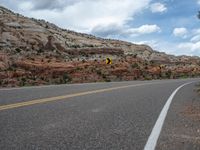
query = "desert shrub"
x=66 y=78
x=11 y=68
x=86 y=55
x=22 y=81
x=42 y=78
x=152 y=62
x=91 y=45
x=107 y=80
x=75 y=46
x=148 y=78
x=135 y=56
x=103 y=76
x=78 y=68
x=135 y=65
x=168 y=74
x=40 y=50
x=33 y=59
x=113 y=67
x=18 y=50
x=99 y=72
x=146 y=64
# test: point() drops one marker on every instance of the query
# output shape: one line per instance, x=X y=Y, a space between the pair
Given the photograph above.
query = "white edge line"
x=155 y=133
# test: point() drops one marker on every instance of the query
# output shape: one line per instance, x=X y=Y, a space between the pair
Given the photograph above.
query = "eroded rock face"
x=35 y=52
x=4 y=61
x=50 y=43
x=20 y=32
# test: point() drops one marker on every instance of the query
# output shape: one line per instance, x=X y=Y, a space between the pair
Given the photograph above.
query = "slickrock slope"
x=35 y=52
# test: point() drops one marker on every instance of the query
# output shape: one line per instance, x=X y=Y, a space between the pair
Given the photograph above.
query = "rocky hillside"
x=35 y=52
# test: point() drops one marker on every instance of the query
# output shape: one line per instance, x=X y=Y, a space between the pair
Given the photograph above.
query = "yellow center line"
x=45 y=100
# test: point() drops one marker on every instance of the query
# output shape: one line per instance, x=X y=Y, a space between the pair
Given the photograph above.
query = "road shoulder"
x=181 y=129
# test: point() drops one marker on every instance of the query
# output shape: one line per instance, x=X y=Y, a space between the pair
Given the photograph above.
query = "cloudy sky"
x=170 y=26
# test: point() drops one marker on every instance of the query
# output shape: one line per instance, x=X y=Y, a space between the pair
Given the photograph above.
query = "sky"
x=169 y=26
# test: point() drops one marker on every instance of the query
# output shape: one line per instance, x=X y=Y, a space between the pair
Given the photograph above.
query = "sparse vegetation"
x=18 y=50
x=66 y=78
x=23 y=81
x=40 y=51
x=75 y=46
x=135 y=65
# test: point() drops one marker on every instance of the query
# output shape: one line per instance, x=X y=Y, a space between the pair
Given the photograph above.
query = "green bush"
x=66 y=78
x=99 y=72
x=18 y=50
x=23 y=81
x=168 y=74
x=40 y=50
x=135 y=56
x=107 y=80
x=135 y=65
x=75 y=46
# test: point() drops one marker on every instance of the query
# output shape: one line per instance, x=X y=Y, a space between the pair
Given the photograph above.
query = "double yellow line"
x=45 y=100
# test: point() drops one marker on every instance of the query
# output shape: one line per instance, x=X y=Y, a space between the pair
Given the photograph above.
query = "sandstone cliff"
x=35 y=52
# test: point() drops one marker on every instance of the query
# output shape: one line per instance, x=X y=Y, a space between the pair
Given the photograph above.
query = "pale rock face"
x=7 y=36
x=34 y=35
x=50 y=44
x=20 y=31
x=13 y=24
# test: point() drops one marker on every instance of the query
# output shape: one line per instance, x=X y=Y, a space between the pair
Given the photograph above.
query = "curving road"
x=116 y=115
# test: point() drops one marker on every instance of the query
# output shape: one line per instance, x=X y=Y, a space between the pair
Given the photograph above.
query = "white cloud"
x=26 y=6
x=195 y=38
x=180 y=32
x=195 y=35
x=144 y=29
x=196 y=31
x=190 y=46
x=158 y=7
x=153 y=43
x=84 y=15
x=113 y=30
x=198 y=2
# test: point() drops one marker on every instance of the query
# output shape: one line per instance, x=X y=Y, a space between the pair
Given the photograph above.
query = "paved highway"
x=114 y=116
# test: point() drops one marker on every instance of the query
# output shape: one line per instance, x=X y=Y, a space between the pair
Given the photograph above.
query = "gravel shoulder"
x=182 y=126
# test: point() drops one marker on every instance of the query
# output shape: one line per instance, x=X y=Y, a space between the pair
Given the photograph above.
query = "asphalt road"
x=110 y=116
